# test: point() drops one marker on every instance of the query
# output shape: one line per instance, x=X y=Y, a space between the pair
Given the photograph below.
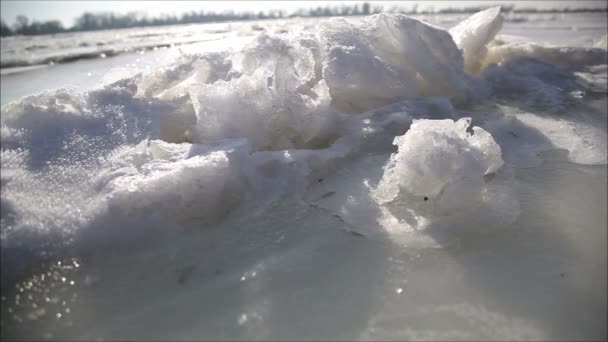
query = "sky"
x=67 y=11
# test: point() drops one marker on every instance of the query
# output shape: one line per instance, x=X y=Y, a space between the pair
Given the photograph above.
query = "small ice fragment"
x=439 y=159
x=473 y=34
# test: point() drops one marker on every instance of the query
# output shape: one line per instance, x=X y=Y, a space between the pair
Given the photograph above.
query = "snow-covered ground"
x=375 y=178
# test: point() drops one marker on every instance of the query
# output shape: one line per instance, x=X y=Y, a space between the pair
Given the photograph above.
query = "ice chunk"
x=358 y=80
x=473 y=34
x=427 y=50
x=274 y=103
x=439 y=160
x=171 y=81
x=387 y=58
x=287 y=64
x=270 y=118
x=177 y=180
x=204 y=182
x=357 y=77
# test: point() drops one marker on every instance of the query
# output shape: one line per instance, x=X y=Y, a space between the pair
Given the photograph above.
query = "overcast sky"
x=67 y=11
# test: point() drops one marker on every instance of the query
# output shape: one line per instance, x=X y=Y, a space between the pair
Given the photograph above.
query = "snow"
x=370 y=178
x=438 y=160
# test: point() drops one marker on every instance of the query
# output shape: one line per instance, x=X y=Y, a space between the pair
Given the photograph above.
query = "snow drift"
x=213 y=132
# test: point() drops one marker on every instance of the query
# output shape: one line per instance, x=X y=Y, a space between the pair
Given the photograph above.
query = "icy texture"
x=179 y=180
x=440 y=160
x=272 y=104
x=390 y=57
x=359 y=79
x=566 y=57
x=229 y=178
x=473 y=34
x=300 y=106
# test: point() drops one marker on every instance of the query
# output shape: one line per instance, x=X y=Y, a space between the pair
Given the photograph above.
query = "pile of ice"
x=196 y=139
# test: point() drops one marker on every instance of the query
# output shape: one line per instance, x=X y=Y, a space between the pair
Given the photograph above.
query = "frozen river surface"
x=375 y=178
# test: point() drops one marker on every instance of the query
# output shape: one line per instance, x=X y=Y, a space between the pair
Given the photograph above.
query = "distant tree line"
x=25 y=27
x=102 y=21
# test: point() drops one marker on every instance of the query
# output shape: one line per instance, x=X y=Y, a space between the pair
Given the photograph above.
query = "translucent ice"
x=473 y=34
x=390 y=57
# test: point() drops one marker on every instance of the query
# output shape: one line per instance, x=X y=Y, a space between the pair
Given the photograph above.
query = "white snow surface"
x=240 y=164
